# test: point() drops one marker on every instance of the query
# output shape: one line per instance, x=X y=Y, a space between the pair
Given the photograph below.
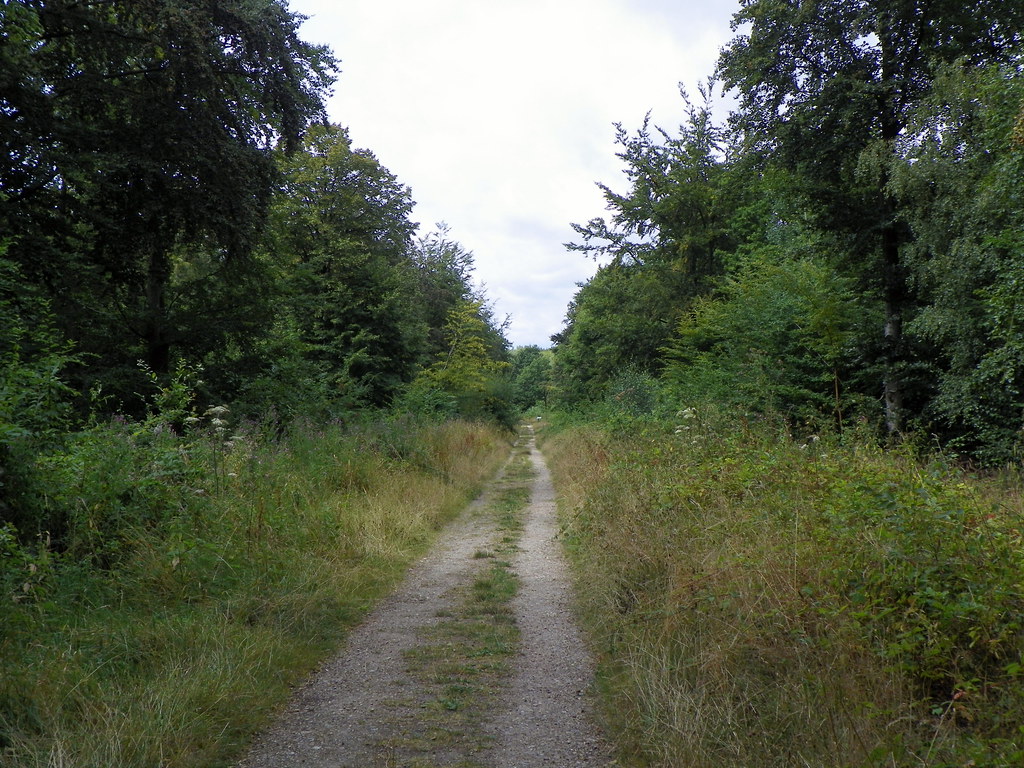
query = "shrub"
x=764 y=600
x=206 y=571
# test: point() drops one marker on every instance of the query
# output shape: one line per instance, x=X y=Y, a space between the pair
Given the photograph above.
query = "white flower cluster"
x=214 y=413
x=686 y=414
x=217 y=419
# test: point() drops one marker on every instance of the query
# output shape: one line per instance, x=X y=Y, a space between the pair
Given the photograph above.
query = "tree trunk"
x=894 y=288
x=894 y=297
x=158 y=347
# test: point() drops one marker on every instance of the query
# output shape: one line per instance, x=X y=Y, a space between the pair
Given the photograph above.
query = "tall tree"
x=663 y=244
x=671 y=214
x=343 y=240
x=467 y=370
x=827 y=87
x=531 y=375
x=444 y=282
x=958 y=175
x=139 y=132
x=621 y=318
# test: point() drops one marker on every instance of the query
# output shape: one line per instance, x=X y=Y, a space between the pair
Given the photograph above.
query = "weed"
x=195 y=582
x=765 y=601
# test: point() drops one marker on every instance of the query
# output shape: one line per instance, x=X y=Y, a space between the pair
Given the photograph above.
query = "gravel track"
x=547 y=721
x=365 y=697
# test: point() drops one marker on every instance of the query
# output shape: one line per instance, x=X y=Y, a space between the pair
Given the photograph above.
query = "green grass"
x=464 y=661
x=182 y=640
x=763 y=600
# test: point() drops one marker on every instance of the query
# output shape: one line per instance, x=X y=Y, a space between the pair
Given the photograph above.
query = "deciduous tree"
x=138 y=142
x=827 y=87
x=664 y=243
x=342 y=239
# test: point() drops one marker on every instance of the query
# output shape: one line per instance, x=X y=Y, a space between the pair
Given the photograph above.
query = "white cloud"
x=499 y=117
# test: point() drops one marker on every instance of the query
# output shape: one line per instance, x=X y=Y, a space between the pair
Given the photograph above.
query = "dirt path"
x=446 y=673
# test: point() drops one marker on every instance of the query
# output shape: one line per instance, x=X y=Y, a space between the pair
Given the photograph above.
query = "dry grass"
x=179 y=654
x=720 y=577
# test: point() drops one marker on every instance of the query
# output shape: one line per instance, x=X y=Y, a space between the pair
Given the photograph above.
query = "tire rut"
x=549 y=719
x=366 y=708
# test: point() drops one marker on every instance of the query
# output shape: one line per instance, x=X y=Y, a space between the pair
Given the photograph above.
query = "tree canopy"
x=182 y=228
x=863 y=177
x=139 y=140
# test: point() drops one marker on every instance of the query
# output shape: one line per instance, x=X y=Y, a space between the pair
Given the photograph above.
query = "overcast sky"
x=498 y=114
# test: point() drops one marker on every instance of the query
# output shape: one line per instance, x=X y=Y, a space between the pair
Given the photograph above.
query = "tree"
x=665 y=242
x=467 y=370
x=826 y=88
x=444 y=281
x=621 y=318
x=773 y=337
x=34 y=402
x=672 y=214
x=957 y=175
x=138 y=142
x=531 y=375
x=342 y=239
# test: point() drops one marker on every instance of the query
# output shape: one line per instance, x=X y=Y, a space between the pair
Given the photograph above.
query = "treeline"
x=231 y=377
x=181 y=229
x=845 y=250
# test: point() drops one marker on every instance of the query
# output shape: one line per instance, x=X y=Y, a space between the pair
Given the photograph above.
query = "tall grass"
x=762 y=600
x=165 y=634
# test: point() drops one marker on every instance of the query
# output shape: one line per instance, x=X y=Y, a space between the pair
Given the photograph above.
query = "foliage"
x=670 y=213
x=816 y=603
x=958 y=175
x=342 y=240
x=531 y=375
x=772 y=339
x=34 y=399
x=172 y=196
x=205 y=573
x=873 y=151
x=275 y=377
x=665 y=242
x=827 y=89
x=467 y=372
x=443 y=280
x=621 y=318
x=138 y=166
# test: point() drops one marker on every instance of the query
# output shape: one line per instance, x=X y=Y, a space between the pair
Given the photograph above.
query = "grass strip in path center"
x=463 y=661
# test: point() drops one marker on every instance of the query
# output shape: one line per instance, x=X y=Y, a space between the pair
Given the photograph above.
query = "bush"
x=34 y=401
x=771 y=340
x=764 y=600
x=206 y=571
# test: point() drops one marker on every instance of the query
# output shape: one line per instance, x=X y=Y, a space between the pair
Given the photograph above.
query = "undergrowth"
x=193 y=574
x=758 y=599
